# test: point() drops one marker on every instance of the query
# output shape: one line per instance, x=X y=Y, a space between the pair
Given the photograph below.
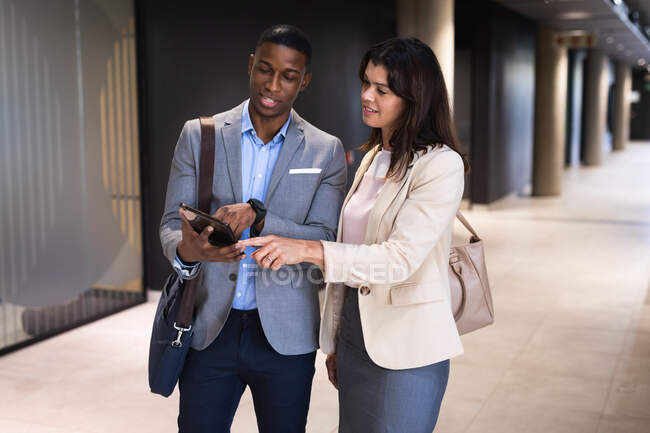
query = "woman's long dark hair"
x=414 y=75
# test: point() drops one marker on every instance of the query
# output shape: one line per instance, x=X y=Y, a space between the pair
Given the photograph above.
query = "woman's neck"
x=386 y=134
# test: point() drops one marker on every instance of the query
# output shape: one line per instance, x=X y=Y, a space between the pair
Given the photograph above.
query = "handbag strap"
x=467 y=225
x=206 y=174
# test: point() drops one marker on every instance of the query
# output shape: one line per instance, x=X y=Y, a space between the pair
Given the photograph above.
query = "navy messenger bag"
x=172 y=331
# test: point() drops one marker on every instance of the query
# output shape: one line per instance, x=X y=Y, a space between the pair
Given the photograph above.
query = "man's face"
x=277 y=74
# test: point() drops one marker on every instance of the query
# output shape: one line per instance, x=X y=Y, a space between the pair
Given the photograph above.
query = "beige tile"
x=27 y=427
x=589 y=365
x=501 y=330
x=245 y=420
x=553 y=390
x=496 y=353
x=596 y=293
x=499 y=344
x=641 y=321
x=633 y=369
x=521 y=415
x=630 y=392
x=474 y=382
x=523 y=300
x=599 y=319
x=637 y=344
x=511 y=318
x=582 y=340
x=623 y=424
x=125 y=416
x=323 y=414
x=321 y=372
x=457 y=413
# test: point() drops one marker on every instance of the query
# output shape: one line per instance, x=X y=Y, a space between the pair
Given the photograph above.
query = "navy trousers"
x=213 y=381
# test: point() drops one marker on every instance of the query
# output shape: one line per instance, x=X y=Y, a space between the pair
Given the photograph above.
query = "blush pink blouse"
x=357 y=210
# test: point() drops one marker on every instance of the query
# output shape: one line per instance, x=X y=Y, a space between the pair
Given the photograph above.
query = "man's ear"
x=305 y=81
x=251 y=60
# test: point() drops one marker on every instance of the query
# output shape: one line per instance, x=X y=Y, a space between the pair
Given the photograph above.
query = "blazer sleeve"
x=323 y=216
x=428 y=211
x=182 y=187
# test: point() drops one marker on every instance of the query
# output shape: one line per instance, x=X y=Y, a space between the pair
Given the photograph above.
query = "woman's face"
x=381 y=107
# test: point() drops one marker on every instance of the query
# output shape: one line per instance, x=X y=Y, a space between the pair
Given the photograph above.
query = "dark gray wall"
x=640 y=111
x=193 y=60
x=575 y=89
x=503 y=79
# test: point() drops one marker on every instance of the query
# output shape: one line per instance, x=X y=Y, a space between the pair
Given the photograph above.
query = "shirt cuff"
x=335 y=269
x=186 y=271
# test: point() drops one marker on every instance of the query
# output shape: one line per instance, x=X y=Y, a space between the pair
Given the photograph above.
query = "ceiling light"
x=641 y=62
x=609 y=39
x=576 y=15
x=617 y=2
x=620 y=47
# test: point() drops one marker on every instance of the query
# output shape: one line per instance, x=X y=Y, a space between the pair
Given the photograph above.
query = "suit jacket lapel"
x=292 y=143
x=231 y=141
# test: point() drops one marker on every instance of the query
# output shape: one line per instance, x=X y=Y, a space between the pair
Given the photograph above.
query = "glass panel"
x=70 y=216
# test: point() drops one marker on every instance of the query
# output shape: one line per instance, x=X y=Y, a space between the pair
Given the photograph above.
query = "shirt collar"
x=247 y=124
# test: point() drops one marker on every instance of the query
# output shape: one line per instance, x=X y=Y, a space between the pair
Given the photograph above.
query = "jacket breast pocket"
x=411 y=293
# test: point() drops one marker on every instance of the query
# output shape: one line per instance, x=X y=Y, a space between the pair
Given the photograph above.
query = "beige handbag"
x=471 y=300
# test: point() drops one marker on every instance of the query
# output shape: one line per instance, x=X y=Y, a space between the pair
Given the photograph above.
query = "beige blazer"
x=404 y=298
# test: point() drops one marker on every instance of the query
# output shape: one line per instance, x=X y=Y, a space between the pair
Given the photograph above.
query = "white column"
x=431 y=21
x=551 y=66
x=622 y=88
x=595 y=107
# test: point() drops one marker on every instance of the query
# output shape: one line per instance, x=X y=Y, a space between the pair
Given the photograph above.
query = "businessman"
x=274 y=173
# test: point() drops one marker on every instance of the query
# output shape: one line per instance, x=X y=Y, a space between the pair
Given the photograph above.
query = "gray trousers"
x=373 y=399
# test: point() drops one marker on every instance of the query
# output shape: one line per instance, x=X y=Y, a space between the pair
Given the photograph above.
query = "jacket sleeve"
x=323 y=216
x=428 y=211
x=182 y=187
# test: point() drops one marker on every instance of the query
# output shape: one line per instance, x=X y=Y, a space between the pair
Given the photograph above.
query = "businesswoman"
x=387 y=324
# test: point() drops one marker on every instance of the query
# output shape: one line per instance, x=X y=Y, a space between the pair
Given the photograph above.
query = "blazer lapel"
x=231 y=141
x=358 y=176
x=292 y=143
x=385 y=199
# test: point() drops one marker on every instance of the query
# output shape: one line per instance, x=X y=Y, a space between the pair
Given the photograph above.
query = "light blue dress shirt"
x=257 y=164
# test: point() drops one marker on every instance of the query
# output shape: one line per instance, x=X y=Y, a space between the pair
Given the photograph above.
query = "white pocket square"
x=305 y=170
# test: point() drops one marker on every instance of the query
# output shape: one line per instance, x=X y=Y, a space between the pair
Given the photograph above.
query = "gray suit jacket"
x=303 y=204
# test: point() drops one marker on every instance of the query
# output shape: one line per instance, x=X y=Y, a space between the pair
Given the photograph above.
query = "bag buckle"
x=180 y=329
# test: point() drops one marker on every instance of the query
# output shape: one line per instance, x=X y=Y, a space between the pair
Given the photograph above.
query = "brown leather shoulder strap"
x=206 y=165
x=206 y=173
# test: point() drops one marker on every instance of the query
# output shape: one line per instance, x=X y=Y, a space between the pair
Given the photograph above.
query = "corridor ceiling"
x=608 y=20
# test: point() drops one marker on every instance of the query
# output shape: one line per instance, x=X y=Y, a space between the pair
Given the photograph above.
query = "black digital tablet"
x=221 y=235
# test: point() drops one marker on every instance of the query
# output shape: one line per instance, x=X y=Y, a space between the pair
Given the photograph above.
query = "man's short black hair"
x=289 y=36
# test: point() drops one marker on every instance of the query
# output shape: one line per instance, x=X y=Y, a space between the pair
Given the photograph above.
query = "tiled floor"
x=570 y=351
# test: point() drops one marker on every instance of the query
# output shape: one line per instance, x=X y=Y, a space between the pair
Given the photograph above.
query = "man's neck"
x=266 y=127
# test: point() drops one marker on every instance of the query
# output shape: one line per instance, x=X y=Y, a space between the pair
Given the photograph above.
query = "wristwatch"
x=260 y=210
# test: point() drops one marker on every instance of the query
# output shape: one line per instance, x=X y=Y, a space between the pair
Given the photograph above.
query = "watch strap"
x=260 y=211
